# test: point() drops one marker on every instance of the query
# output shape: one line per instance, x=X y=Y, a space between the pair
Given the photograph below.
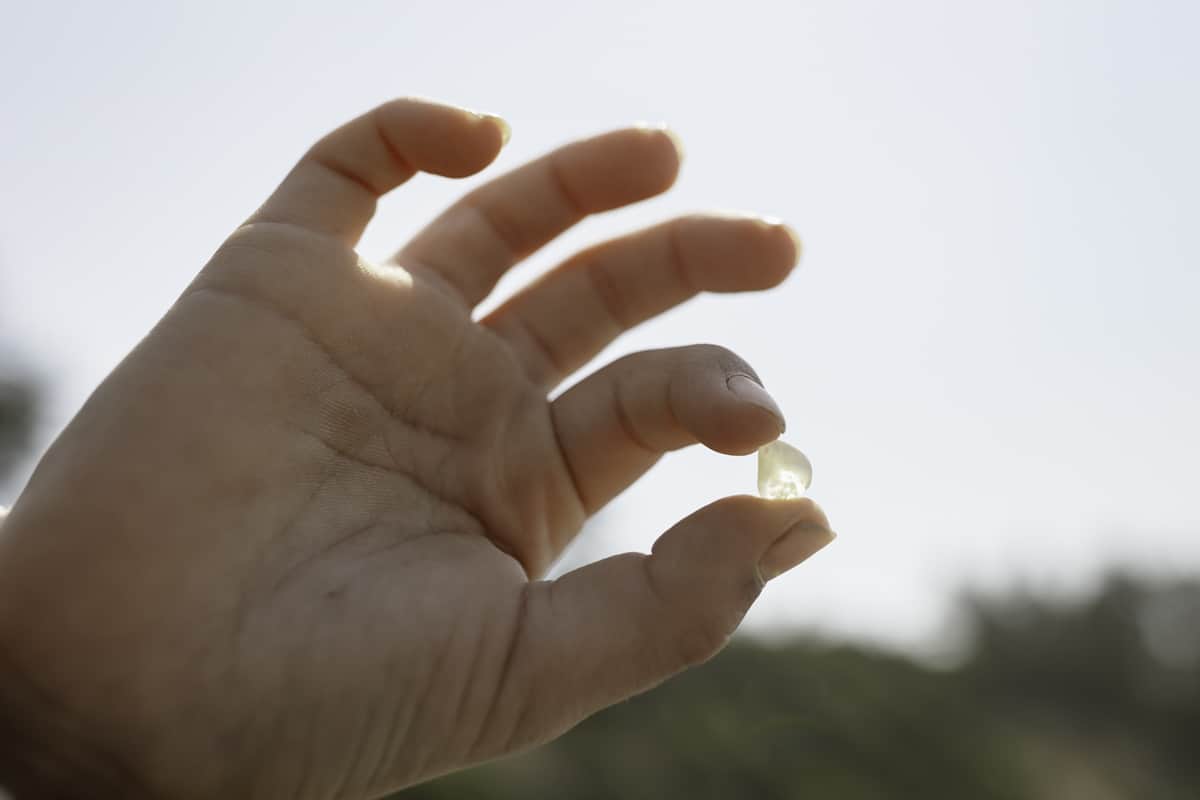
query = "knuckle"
x=271 y=238
x=748 y=588
x=607 y=290
x=258 y=257
x=399 y=103
x=644 y=360
x=709 y=630
x=701 y=641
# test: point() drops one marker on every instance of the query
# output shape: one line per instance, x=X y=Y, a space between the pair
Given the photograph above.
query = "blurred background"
x=989 y=352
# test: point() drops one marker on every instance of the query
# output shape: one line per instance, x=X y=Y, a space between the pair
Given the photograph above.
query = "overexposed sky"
x=990 y=351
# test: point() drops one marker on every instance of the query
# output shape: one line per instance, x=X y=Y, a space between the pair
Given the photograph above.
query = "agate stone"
x=783 y=471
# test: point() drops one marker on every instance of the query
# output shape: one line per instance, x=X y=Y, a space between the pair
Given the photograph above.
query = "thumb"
x=617 y=627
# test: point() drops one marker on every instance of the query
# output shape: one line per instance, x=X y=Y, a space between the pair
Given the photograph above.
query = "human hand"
x=290 y=547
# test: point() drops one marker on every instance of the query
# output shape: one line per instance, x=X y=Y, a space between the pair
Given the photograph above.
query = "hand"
x=289 y=548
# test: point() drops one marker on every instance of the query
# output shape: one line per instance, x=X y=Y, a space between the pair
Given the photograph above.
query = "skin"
x=291 y=547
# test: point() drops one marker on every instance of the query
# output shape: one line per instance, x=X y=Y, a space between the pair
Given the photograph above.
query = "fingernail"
x=776 y=222
x=497 y=120
x=746 y=390
x=661 y=127
x=793 y=548
x=505 y=128
x=675 y=140
x=796 y=243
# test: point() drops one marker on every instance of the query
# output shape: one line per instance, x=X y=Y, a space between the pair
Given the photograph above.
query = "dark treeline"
x=17 y=405
x=1093 y=700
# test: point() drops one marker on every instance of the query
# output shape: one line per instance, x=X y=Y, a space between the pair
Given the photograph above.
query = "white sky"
x=990 y=352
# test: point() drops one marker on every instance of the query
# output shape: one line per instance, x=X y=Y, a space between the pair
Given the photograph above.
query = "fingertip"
x=677 y=143
x=804 y=511
x=667 y=153
x=501 y=125
x=780 y=515
x=786 y=249
x=739 y=507
x=742 y=431
x=797 y=244
x=442 y=139
x=495 y=134
x=736 y=251
x=750 y=392
x=490 y=134
x=777 y=535
x=717 y=398
x=741 y=528
x=744 y=420
x=797 y=545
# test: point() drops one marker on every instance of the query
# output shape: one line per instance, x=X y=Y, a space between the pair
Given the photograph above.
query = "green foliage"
x=1113 y=684
x=1095 y=700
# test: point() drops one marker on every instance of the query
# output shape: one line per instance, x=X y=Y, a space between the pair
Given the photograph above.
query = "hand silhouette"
x=291 y=546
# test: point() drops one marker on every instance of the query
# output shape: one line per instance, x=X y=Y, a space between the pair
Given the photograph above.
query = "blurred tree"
x=18 y=401
x=1103 y=693
x=1099 y=700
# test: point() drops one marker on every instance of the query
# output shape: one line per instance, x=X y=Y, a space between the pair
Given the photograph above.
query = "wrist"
x=45 y=754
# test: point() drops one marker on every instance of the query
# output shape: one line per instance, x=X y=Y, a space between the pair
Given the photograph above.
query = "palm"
x=372 y=478
x=396 y=527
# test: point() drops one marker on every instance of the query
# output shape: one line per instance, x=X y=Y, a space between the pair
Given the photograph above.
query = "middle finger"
x=480 y=237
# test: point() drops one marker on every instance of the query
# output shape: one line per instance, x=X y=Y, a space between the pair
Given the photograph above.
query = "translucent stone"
x=783 y=471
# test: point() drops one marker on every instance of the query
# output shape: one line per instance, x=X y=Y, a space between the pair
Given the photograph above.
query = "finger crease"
x=551 y=367
x=611 y=299
x=507 y=232
x=338 y=171
x=299 y=566
x=626 y=423
x=395 y=467
x=669 y=404
x=559 y=181
x=398 y=160
x=569 y=467
x=309 y=335
x=519 y=626
x=651 y=581
x=677 y=261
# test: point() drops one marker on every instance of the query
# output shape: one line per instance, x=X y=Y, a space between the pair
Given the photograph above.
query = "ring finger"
x=558 y=323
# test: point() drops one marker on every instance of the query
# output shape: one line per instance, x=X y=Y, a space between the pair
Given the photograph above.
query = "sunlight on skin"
x=312 y=454
x=397 y=276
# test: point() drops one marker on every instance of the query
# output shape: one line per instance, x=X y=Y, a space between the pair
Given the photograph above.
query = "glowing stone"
x=783 y=471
